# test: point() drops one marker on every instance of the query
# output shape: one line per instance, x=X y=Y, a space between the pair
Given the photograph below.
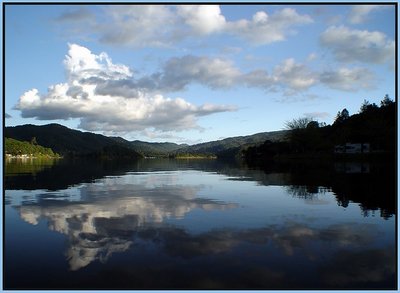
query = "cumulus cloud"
x=203 y=19
x=165 y=25
x=218 y=73
x=137 y=25
x=106 y=97
x=348 y=79
x=265 y=29
x=290 y=76
x=295 y=76
x=358 y=45
x=212 y=72
x=359 y=13
x=80 y=14
x=258 y=78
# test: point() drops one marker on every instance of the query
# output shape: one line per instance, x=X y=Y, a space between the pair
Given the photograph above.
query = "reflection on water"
x=197 y=225
x=103 y=221
x=27 y=166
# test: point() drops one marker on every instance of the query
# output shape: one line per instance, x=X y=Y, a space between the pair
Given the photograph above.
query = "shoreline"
x=25 y=156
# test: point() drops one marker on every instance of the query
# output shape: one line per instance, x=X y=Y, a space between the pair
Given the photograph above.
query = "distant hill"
x=229 y=147
x=66 y=141
x=155 y=148
x=148 y=149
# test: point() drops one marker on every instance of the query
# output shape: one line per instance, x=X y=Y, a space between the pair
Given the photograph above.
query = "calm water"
x=166 y=224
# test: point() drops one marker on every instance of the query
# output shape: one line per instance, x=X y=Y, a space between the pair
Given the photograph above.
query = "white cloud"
x=359 y=13
x=316 y=115
x=203 y=19
x=294 y=75
x=166 y=25
x=290 y=76
x=90 y=94
x=349 y=79
x=218 y=73
x=212 y=72
x=358 y=45
x=137 y=25
x=265 y=29
x=296 y=78
x=107 y=97
x=82 y=63
x=258 y=78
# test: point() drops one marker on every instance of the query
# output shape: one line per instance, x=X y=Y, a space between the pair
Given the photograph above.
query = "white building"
x=352 y=148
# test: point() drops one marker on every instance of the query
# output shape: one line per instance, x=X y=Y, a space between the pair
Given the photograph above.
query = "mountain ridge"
x=65 y=140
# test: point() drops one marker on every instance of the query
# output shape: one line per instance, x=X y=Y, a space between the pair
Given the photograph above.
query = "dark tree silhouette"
x=299 y=123
x=367 y=106
x=386 y=101
x=342 y=116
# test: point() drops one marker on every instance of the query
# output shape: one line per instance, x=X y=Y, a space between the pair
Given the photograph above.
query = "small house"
x=352 y=148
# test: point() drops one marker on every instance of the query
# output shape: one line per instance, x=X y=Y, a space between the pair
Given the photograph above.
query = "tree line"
x=373 y=124
x=15 y=147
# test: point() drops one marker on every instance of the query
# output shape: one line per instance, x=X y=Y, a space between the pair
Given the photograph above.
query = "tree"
x=16 y=147
x=303 y=134
x=364 y=106
x=312 y=125
x=386 y=101
x=367 y=106
x=299 y=123
x=342 y=116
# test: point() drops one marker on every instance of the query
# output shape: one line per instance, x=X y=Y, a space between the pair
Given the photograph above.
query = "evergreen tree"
x=367 y=106
x=342 y=116
x=386 y=101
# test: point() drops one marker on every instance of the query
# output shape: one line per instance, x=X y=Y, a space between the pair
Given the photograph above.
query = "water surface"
x=173 y=224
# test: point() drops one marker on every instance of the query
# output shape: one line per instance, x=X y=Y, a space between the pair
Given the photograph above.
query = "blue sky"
x=194 y=73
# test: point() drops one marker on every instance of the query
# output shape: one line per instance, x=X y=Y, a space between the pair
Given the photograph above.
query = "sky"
x=194 y=73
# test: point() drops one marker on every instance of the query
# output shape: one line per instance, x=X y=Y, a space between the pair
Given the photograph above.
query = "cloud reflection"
x=289 y=239
x=129 y=215
x=105 y=221
x=96 y=229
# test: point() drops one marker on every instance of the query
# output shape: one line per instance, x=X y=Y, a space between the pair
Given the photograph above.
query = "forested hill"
x=230 y=147
x=66 y=141
x=15 y=147
x=375 y=126
x=155 y=148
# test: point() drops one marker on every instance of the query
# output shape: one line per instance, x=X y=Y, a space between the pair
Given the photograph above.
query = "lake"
x=199 y=224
